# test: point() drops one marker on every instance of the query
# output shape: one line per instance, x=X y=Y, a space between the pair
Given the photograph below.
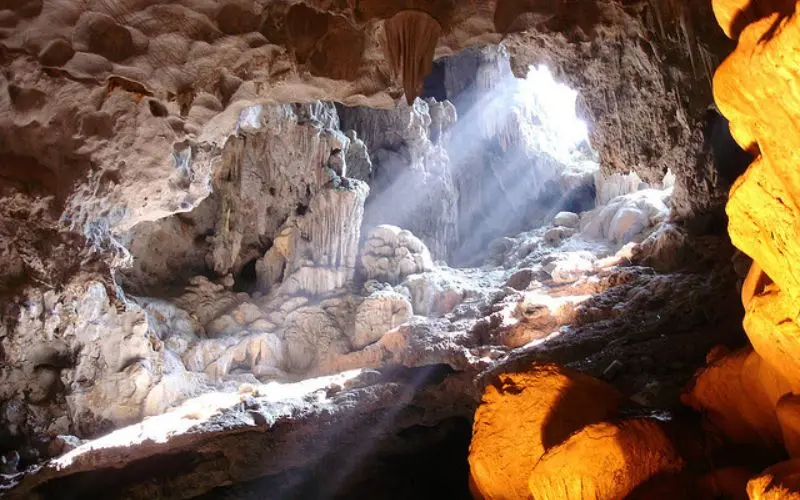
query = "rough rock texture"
x=613 y=334
x=377 y=314
x=82 y=362
x=270 y=174
x=626 y=217
x=256 y=431
x=117 y=115
x=779 y=481
x=83 y=86
x=390 y=254
x=411 y=39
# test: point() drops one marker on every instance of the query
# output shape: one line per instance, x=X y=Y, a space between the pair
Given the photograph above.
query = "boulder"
x=521 y=279
x=310 y=336
x=567 y=219
x=738 y=394
x=433 y=294
x=626 y=217
x=611 y=460
x=522 y=415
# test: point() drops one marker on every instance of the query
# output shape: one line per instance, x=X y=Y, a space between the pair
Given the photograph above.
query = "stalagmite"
x=411 y=38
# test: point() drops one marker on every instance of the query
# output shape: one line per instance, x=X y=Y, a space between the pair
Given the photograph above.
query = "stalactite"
x=411 y=38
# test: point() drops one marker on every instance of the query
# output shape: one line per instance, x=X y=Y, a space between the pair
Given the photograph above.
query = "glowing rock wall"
x=750 y=396
x=757 y=89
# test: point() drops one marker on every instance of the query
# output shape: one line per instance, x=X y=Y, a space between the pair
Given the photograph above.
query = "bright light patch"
x=553 y=105
x=161 y=428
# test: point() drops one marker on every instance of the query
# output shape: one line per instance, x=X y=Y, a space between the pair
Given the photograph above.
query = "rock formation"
x=523 y=415
x=761 y=211
x=411 y=39
x=412 y=180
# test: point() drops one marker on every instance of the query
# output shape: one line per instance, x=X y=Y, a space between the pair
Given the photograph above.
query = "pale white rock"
x=316 y=281
x=556 y=235
x=222 y=326
x=390 y=254
x=205 y=352
x=292 y=304
x=433 y=294
x=204 y=300
x=377 y=314
x=626 y=223
x=627 y=217
x=567 y=219
x=310 y=336
x=176 y=327
x=173 y=389
x=609 y=187
x=316 y=253
x=570 y=266
x=245 y=313
x=412 y=178
x=260 y=326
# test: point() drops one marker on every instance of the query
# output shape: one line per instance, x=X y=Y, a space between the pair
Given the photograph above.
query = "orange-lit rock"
x=757 y=89
x=779 y=482
x=773 y=331
x=788 y=410
x=738 y=394
x=610 y=460
x=522 y=415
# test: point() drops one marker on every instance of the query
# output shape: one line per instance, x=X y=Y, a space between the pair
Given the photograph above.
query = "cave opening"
x=443 y=294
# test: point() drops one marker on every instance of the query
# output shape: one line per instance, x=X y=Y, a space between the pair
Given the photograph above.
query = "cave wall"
x=643 y=72
x=756 y=89
x=747 y=428
x=268 y=173
x=171 y=85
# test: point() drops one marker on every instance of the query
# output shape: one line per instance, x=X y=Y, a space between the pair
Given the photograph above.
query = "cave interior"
x=484 y=250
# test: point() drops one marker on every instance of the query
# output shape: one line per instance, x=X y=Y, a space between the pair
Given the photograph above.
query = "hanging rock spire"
x=411 y=37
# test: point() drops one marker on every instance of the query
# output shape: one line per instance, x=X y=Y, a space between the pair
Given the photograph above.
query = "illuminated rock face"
x=756 y=89
x=738 y=394
x=750 y=395
x=523 y=415
x=779 y=482
x=610 y=460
